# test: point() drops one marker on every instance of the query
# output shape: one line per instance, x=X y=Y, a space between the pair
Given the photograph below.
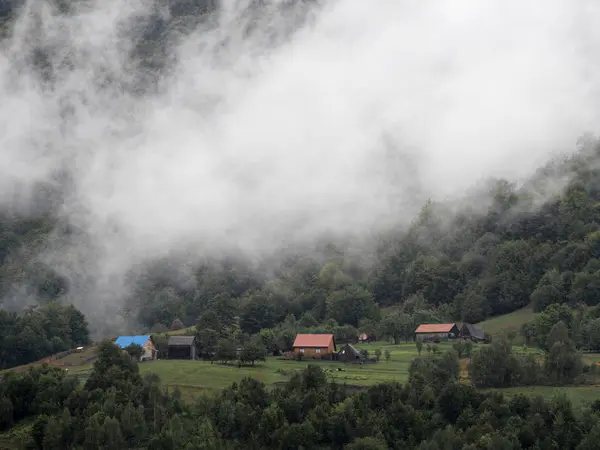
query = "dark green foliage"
x=118 y=409
x=226 y=351
x=253 y=351
x=37 y=333
x=450 y=264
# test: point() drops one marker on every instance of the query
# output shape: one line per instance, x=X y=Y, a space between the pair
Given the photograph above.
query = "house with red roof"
x=436 y=331
x=314 y=345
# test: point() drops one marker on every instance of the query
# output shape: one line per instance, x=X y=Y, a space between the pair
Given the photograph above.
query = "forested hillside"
x=466 y=263
x=526 y=246
x=500 y=248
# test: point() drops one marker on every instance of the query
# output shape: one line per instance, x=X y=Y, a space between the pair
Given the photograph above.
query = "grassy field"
x=508 y=322
x=195 y=377
x=578 y=395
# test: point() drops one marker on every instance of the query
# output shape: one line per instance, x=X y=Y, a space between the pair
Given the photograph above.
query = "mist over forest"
x=159 y=154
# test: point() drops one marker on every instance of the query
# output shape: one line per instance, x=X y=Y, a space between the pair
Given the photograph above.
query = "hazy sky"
x=252 y=145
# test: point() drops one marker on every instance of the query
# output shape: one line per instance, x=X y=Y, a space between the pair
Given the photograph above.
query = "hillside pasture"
x=513 y=321
x=196 y=377
x=579 y=396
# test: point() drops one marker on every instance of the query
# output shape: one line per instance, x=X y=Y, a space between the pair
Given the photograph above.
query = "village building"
x=349 y=353
x=182 y=347
x=472 y=332
x=364 y=337
x=436 y=331
x=314 y=345
x=149 y=350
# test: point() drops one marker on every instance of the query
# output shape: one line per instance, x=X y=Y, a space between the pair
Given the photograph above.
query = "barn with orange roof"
x=314 y=345
x=436 y=331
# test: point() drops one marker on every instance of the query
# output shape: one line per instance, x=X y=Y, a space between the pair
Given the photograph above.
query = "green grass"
x=578 y=395
x=507 y=322
x=196 y=377
x=185 y=331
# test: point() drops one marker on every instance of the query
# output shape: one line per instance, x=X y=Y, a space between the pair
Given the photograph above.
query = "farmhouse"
x=182 y=347
x=349 y=353
x=472 y=332
x=315 y=345
x=436 y=331
x=364 y=337
x=145 y=341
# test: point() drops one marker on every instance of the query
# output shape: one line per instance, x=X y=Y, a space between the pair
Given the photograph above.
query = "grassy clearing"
x=195 y=377
x=185 y=331
x=578 y=395
x=508 y=322
x=73 y=360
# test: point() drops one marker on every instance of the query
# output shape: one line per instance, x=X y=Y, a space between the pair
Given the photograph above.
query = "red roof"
x=313 y=340
x=435 y=328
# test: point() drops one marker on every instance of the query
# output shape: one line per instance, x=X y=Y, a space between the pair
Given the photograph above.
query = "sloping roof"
x=182 y=341
x=126 y=341
x=354 y=349
x=475 y=331
x=313 y=340
x=435 y=327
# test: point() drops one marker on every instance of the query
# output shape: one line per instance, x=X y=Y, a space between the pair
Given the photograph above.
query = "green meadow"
x=193 y=378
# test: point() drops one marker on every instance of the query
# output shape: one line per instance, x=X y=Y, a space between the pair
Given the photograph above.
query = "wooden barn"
x=149 y=350
x=472 y=332
x=182 y=347
x=314 y=345
x=349 y=353
x=436 y=331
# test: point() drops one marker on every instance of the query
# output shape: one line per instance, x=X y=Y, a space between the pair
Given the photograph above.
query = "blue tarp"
x=126 y=341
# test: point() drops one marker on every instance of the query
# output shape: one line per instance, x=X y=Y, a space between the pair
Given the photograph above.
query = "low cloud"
x=271 y=126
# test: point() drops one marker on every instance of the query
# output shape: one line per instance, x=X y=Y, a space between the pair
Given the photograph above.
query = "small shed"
x=182 y=347
x=349 y=353
x=469 y=331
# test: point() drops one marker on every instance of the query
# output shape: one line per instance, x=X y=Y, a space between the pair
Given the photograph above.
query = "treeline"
x=535 y=244
x=119 y=409
x=40 y=332
x=460 y=265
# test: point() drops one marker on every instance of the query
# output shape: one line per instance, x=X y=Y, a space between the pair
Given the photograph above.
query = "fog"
x=338 y=118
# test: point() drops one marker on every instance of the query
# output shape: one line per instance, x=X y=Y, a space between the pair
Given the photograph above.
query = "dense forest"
x=117 y=408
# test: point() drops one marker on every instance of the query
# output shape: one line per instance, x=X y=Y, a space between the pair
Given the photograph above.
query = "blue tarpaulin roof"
x=126 y=341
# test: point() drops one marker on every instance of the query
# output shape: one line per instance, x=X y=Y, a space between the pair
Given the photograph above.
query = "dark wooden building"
x=349 y=353
x=182 y=347
x=468 y=331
